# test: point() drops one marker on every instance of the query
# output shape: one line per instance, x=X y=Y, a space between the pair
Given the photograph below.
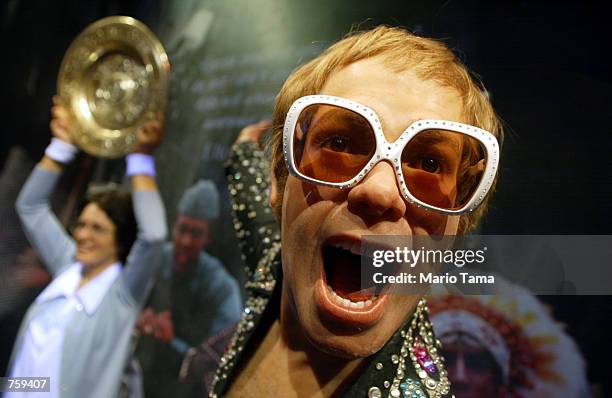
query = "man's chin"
x=346 y=340
x=182 y=261
x=348 y=348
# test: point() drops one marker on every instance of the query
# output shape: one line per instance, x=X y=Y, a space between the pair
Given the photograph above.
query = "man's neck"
x=321 y=371
x=286 y=364
x=184 y=269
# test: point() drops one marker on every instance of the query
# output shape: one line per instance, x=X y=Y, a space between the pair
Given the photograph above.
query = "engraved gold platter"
x=113 y=78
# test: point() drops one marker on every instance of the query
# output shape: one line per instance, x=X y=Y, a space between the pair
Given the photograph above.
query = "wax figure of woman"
x=77 y=331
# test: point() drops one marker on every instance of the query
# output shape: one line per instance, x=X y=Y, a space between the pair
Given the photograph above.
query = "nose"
x=377 y=196
x=81 y=233
x=185 y=239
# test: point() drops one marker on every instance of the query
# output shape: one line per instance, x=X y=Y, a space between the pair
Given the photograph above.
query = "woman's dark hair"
x=117 y=204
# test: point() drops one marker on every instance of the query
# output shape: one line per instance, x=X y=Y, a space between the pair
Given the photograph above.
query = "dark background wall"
x=546 y=65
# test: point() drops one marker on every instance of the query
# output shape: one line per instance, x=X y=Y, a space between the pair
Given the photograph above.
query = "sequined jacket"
x=408 y=365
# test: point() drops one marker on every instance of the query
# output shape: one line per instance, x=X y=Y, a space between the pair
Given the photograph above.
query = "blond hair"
x=400 y=50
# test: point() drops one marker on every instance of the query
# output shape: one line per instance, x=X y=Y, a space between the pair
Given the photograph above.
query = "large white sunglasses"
x=440 y=165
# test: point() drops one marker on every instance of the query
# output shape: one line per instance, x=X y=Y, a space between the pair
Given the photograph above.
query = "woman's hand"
x=63 y=151
x=61 y=120
x=149 y=136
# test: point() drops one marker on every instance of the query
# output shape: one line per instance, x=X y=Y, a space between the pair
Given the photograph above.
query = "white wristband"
x=139 y=163
x=61 y=151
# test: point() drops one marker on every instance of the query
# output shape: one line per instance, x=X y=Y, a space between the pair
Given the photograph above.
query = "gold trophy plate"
x=113 y=78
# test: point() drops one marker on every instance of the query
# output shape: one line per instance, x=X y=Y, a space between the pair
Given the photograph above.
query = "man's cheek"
x=427 y=221
x=299 y=197
x=293 y=201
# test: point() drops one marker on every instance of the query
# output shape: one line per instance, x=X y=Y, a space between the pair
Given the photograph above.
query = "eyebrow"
x=436 y=137
x=344 y=115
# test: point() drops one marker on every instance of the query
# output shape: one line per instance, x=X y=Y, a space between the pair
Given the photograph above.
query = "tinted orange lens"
x=332 y=144
x=443 y=168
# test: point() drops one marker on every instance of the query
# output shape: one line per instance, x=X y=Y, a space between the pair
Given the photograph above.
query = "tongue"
x=361 y=295
x=343 y=273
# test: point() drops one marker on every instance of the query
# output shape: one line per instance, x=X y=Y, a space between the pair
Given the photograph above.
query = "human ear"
x=273 y=190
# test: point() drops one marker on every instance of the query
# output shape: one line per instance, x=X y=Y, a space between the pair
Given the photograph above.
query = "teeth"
x=348 y=303
x=353 y=247
x=335 y=297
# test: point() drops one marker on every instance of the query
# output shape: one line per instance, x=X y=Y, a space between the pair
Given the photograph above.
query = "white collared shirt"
x=40 y=354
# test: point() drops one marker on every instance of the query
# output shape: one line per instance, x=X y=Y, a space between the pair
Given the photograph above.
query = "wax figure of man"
x=194 y=297
x=384 y=133
x=78 y=329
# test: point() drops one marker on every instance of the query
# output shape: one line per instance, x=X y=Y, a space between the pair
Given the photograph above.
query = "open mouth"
x=83 y=248
x=342 y=273
x=341 y=291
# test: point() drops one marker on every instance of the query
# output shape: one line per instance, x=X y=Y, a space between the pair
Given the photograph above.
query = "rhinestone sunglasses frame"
x=392 y=151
